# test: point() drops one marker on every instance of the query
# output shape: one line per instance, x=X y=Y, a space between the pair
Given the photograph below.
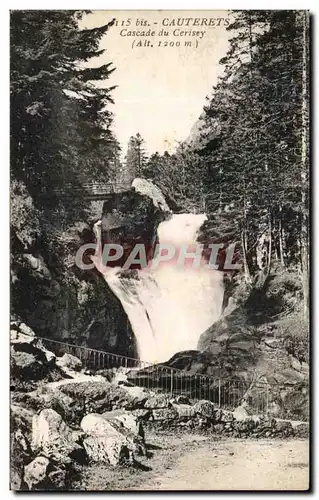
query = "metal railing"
x=92 y=358
x=226 y=393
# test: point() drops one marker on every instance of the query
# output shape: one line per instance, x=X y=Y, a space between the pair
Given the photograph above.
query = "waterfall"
x=169 y=307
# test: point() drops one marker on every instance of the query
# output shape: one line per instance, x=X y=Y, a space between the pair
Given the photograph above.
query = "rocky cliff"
x=50 y=293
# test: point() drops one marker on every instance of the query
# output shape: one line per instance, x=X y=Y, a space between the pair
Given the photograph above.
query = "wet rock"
x=132 y=217
x=147 y=188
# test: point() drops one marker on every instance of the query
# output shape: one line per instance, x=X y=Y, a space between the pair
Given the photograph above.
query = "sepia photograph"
x=159 y=250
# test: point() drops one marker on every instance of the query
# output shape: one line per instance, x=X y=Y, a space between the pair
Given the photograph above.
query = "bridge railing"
x=94 y=188
x=226 y=393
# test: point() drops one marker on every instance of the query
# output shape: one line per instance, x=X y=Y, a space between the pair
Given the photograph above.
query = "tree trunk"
x=244 y=248
x=281 y=239
x=269 y=245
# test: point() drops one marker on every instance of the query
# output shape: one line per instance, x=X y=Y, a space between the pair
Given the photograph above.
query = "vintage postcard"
x=159 y=335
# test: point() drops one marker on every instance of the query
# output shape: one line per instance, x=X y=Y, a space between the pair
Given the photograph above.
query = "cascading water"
x=169 y=306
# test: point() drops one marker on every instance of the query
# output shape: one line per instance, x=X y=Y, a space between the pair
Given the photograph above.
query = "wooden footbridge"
x=93 y=191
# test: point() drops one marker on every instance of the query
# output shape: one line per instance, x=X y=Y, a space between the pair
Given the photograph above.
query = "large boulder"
x=240 y=414
x=52 y=435
x=69 y=363
x=26 y=365
x=147 y=188
x=17 y=337
x=106 y=441
x=204 y=408
x=99 y=396
x=29 y=358
x=42 y=474
x=129 y=421
x=132 y=217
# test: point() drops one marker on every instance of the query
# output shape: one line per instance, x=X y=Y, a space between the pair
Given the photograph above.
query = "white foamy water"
x=169 y=307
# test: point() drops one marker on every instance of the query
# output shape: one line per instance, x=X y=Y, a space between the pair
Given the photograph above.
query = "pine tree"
x=135 y=161
x=60 y=121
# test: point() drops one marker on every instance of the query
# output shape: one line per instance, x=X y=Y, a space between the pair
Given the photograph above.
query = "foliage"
x=24 y=217
x=135 y=159
x=247 y=166
x=60 y=120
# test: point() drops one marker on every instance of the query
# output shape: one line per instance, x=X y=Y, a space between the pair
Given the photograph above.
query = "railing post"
x=172 y=382
x=267 y=397
x=219 y=393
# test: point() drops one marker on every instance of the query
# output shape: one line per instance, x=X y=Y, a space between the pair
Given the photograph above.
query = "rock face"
x=68 y=302
x=107 y=441
x=132 y=217
x=147 y=188
x=29 y=359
